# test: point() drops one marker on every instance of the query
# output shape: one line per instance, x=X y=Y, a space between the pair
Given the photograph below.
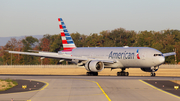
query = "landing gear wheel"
x=126 y=73
x=122 y=73
x=92 y=73
x=153 y=74
x=119 y=73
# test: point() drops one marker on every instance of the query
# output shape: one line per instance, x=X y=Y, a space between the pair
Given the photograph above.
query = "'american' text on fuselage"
x=121 y=55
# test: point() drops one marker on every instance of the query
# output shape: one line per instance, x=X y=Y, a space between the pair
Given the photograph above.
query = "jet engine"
x=94 y=66
x=150 y=69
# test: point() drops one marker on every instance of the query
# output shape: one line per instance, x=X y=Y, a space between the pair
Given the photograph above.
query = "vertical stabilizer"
x=67 y=41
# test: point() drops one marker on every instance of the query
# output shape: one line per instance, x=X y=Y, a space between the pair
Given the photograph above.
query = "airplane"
x=95 y=59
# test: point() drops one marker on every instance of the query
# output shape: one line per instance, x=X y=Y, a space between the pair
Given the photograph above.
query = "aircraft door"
x=143 y=56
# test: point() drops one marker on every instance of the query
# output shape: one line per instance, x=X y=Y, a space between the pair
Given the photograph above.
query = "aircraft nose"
x=161 y=59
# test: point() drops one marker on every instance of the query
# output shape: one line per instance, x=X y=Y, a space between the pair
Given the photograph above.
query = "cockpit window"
x=158 y=55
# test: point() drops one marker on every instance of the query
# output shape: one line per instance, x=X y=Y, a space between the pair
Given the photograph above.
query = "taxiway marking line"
x=103 y=91
x=100 y=88
x=39 y=89
x=159 y=89
x=47 y=84
x=84 y=80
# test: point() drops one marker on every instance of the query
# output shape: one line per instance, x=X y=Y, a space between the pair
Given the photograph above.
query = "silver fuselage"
x=124 y=56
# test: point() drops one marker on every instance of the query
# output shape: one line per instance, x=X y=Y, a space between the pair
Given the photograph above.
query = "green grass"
x=9 y=84
x=8 y=80
x=14 y=82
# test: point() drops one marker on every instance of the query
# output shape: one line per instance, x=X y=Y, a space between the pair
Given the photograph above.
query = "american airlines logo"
x=121 y=55
x=137 y=53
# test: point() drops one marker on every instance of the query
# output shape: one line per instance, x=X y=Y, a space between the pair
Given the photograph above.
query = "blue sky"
x=39 y=17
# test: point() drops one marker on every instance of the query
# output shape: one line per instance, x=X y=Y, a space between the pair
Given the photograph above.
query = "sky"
x=39 y=17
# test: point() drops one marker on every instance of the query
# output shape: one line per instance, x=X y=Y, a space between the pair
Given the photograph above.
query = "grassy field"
x=7 y=84
x=82 y=71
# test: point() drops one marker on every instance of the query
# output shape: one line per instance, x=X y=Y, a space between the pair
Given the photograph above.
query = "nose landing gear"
x=153 y=74
x=154 y=69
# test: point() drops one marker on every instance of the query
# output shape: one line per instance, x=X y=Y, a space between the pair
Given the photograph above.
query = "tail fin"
x=67 y=41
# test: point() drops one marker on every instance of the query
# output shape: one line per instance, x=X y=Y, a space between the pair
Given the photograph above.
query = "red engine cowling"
x=94 y=66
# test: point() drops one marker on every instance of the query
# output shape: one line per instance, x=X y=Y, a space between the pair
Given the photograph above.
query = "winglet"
x=169 y=54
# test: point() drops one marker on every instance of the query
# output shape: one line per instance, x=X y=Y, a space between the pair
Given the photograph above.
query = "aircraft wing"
x=60 y=56
x=169 y=54
x=49 y=55
x=43 y=52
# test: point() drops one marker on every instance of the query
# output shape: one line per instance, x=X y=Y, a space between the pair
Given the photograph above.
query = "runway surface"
x=88 y=88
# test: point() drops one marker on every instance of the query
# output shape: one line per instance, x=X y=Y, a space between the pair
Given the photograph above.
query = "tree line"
x=164 y=41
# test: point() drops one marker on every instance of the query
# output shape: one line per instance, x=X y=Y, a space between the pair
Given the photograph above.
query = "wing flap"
x=109 y=61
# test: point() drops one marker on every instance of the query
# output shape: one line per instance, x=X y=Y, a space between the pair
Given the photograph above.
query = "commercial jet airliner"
x=95 y=59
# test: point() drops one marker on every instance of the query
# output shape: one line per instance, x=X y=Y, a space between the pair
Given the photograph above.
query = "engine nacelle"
x=150 y=69
x=94 y=66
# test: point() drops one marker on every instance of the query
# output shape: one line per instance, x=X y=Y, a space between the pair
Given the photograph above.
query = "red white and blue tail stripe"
x=67 y=41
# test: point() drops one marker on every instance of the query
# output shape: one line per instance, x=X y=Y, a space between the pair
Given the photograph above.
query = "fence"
x=169 y=66
x=70 y=66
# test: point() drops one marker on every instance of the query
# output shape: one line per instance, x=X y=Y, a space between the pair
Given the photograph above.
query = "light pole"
x=11 y=58
x=175 y=56
x=42 y=60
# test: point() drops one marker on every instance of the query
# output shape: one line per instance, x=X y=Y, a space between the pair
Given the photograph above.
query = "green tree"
x=28 y=44
x=78 y=39
x=55 y=46
x=144 y=39
x=12 y=45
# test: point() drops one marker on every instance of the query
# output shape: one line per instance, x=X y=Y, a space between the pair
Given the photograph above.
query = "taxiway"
x=88 y=88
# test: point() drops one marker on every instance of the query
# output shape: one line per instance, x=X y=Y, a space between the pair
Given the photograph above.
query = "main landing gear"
x=153 y=74
x=92 y=73
x=123 y=73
